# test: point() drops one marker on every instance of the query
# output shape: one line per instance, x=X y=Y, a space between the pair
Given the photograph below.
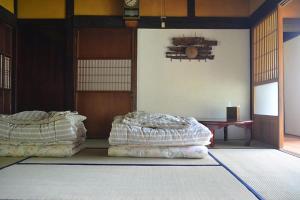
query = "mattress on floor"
x=159 y=152
x=57 y=150
x=147 y=129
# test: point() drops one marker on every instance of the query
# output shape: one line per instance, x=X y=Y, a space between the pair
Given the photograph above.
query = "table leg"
x=225 y=133
x=248 y=135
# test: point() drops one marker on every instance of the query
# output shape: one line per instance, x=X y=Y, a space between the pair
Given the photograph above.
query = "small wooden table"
x=214 y=124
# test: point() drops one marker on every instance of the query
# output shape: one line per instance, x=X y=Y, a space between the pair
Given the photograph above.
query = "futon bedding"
x=55 y=150
x=148 y=129
x=37 y=127
x=38 y=133
x=160 y=152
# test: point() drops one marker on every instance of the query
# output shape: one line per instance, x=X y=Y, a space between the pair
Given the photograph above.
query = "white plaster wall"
x=191 y=88
x=292 y=86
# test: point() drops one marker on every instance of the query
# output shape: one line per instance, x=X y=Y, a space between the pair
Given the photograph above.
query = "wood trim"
x=196 y=22
x=7 y=17
x=280 y=136
x=134 y=69
x=251 y=74
x=16 y=8
x=265 y=9
x=41 y=22
x=265 y=82
x=14 y=70
x=69 y=96
x=171 y=22
x=99 y=21
x=191 y=8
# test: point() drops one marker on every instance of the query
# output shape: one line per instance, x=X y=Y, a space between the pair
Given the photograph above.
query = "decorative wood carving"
x=196 y=48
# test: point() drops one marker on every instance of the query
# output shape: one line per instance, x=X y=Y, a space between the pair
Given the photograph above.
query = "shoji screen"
x=265 y=50
x=265 y=73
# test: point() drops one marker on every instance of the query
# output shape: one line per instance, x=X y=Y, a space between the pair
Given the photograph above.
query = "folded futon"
x=38 y=133
x=142 y=134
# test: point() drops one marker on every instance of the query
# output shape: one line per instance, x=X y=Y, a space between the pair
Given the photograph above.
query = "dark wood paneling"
x=2 y=37
x=7 y=101
x=101 y=108
x=265 y=129
x=41 y=63
x=7 y=17
x=8 y=32
x=104 y=43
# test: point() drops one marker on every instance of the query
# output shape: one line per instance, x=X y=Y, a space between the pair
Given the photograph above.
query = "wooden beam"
x=69 y=94
x=265 y=9
x=191 y=8
x=196 y=22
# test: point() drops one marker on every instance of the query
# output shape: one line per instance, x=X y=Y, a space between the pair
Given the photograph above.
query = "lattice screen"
x=5 y=69
x=104 y=75
x=265 y=50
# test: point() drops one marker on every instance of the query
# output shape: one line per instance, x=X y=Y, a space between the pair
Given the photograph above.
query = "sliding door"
x=265 y=80
x=41 y=65
x=106 y=76
x=6 y=56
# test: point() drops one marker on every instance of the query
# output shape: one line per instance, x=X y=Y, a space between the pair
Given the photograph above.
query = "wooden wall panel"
x=8 y=4
x=163 y=8
x=96 y=7
x=101 y=108
x=41 y=9
x=8 y=32
x=6 y=56
x=224 y=8
x=2 y=38
x=96 y=43
x=265 y=129
x=41 y=65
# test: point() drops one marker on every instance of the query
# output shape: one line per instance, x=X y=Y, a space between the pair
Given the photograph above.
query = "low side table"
x=214 y=124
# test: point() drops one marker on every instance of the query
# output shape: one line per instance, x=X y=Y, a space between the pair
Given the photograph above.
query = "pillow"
x=30 y=115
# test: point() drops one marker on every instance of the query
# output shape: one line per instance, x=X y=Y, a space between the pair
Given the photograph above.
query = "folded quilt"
x=56 y=126
x=154 y=120
x=159 y=152
x=132 y=132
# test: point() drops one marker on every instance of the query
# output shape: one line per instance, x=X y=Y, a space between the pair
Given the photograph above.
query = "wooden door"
x=106 y=77
x=6 y=57
x=41 y=65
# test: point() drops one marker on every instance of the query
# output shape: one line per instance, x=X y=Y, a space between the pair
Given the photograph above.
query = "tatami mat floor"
x=265 y=172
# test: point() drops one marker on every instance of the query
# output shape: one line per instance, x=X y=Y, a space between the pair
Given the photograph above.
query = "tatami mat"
x=120 y=182
x=5 y=161
x=272 y=173
x=99 y=156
